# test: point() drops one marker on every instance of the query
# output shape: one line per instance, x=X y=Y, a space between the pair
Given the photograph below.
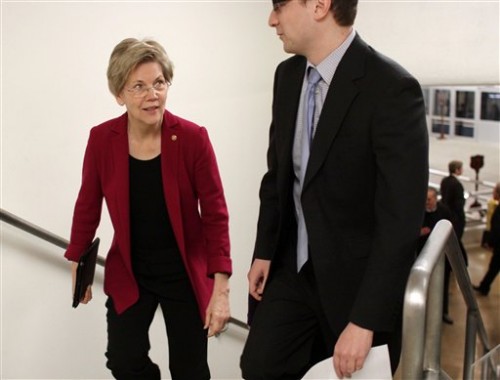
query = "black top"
x=149 y=221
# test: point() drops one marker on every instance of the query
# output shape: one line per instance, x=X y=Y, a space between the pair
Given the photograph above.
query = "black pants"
x=493 y=270
x=128 y=334
x=446 y=287
x=447 y=276
x=289 y=332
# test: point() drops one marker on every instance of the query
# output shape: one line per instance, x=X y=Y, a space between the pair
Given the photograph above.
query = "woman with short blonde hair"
x=159 y=177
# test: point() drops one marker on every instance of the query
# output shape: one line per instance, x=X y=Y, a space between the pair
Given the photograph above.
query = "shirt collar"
x=328 y=66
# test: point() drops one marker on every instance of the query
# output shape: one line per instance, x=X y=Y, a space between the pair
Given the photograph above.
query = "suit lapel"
x=286 y=113
x=341 y=94
x=293 y=87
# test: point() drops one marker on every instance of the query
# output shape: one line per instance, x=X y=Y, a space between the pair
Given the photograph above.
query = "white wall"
x=54 y=58
x=54 y=86
x=44 y=338
x=440 y=42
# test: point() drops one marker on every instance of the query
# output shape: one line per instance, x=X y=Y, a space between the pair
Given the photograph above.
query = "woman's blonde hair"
x=130 y=53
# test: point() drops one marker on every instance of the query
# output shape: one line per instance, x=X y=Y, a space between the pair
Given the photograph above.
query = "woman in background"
x=493 y=242
x=159 y=177
x=490 y=209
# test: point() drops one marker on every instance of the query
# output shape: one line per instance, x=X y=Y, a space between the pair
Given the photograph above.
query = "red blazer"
x=193 y=194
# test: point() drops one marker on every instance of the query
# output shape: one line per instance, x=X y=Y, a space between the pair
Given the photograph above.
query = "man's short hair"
x=344 y=11
x=433 y=190
x=454 y=165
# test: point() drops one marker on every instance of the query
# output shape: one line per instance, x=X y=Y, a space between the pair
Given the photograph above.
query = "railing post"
x=474 y=326
x=432 y=358
x=470 y=344
x=423 y=310
x=412 y=353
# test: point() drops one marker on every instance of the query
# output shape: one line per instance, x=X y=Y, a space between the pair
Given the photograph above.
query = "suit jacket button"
x=174 y=137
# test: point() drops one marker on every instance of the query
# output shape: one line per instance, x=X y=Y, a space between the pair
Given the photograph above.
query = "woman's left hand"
x=217 y=313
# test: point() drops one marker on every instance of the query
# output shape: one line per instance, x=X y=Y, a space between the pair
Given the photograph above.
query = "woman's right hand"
x=88 y=294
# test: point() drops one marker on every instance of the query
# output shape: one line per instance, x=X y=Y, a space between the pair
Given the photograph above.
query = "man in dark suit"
x=452 y=195
x=356 y=196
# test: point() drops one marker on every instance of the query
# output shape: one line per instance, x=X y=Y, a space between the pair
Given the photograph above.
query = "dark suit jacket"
x=365 y=186
x=452 y=193
x=191 y=182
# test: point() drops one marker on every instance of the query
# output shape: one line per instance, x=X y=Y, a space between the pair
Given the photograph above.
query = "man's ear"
x=322 y=8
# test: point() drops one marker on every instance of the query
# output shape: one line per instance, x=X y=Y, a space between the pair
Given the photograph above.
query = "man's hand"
x=351 y=350
x=257 y=277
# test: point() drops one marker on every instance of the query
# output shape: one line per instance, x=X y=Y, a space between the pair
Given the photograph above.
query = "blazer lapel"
x=170 y=151
x=120 y=154
x=341 y=94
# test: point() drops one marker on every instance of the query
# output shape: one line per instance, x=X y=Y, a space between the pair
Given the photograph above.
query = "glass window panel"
x=490 y=106
x=442 y=103
x=464 y=129
x=441 y=128
x=464 y=104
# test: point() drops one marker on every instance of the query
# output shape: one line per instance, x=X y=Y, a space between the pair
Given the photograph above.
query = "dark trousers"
x=128 y=335
x=446 y=288
x=289 y=331
x=492 y=272
x=447 y=275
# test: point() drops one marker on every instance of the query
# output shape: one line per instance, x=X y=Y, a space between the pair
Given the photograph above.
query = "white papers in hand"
x=377 y=367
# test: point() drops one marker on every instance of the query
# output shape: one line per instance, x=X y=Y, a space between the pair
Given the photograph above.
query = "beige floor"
x=453 y=336
x=453 y=345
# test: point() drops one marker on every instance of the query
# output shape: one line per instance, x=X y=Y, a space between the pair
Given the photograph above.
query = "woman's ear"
x=120 y=100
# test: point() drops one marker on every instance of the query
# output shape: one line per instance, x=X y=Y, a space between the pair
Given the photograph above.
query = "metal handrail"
x=48 y=236
x=423 y=308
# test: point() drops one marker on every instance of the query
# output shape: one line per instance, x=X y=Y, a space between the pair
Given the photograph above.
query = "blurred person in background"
x=484 y=286
x=490 y=209
x=453 y=197
x=434 y=212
